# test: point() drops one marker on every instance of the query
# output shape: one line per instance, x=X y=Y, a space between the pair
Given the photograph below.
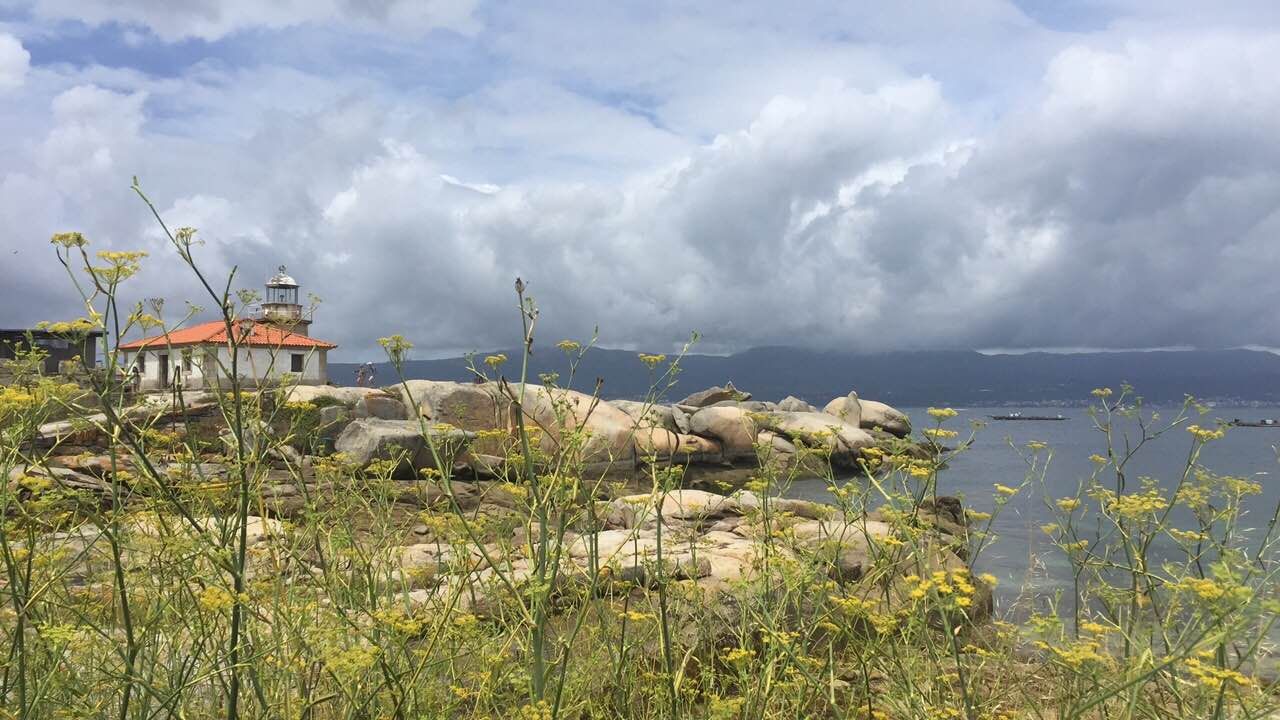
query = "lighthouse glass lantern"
x=281 y=306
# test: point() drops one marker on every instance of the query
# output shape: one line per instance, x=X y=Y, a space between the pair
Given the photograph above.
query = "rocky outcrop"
x=403 y=442
x=463 y=405
x=663 y=445
x=609 y=432
x=32 y=479
x=878 y=415
x=718 y=430
x=713 y=395
x=550 y=415
x=792 y=403
x=718 y=542
x=869 y=414
x=648 y=414
x=847 y=408
x=732 y=427
x=342 y=395
x=680 y=416
x=818 y=430
x=381 y=406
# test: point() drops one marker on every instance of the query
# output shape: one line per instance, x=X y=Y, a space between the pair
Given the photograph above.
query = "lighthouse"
x=281 y=307
x=273 y=345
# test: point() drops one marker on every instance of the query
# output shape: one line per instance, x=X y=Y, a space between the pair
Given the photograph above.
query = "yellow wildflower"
x=1205 y=435
x=215 y=599
x=1214 y=677
x=69 y=239
x=652 y=360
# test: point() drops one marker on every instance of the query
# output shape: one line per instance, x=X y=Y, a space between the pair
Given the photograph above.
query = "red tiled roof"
x=264 y=335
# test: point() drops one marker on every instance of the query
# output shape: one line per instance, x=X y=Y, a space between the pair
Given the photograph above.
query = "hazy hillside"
x=909 y=378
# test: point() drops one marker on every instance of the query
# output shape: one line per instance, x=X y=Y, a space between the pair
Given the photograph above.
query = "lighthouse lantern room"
x=281 y=306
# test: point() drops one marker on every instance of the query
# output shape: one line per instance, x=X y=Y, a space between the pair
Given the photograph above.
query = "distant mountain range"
x=902 y=378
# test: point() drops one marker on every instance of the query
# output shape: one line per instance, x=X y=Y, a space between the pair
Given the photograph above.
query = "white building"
x=271 y=345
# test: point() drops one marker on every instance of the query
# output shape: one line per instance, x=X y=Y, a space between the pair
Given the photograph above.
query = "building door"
x=209 y=369
x=164 y=370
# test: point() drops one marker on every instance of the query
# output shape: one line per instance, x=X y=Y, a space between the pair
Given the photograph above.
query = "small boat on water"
x=1267 y=422
x=1020 y=416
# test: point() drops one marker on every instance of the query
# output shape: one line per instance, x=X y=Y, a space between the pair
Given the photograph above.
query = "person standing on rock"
x=364 y=375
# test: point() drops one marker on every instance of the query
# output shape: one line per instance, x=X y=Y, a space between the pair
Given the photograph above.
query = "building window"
x=186 y=361
x=295 y=363
x=141 y=362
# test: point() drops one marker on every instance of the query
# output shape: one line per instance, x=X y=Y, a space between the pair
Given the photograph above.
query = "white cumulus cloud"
x=1123 y=192
x=14 y=62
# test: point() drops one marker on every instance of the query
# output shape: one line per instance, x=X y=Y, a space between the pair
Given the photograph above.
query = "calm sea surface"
x=1022 y=557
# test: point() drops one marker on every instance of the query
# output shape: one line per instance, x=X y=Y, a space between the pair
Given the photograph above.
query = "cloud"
x=14 y=62
x=1121 y=192
x=214 y=19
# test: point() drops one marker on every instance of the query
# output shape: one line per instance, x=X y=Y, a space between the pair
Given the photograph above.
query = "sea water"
x=1030 y=569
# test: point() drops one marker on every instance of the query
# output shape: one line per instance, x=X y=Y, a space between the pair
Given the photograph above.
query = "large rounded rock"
x=791 y=403
x=733 y=427
x=383 y=407
x=748 y=501
x=819 y=430
x=715 y=394
x=699 y=506
x=465 y=405
x=878 y=415
x=845 y=545
x=731 y=558
x=648 y=414
x=665 y=445
x=62 y=477
x=847 y=408
x=680 y=417
x=368 y=440
x=550 y=415
x=748 y=405
x=468 y=406
x=776 y=443
x=556 y=413
x=345 y=395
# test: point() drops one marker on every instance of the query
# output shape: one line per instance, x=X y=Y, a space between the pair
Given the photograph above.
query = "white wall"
x=255 y=365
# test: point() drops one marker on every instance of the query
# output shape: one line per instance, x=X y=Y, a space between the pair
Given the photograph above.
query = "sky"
x=865 y=176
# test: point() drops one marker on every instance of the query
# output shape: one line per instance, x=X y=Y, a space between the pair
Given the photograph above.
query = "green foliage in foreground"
x=164 y=594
